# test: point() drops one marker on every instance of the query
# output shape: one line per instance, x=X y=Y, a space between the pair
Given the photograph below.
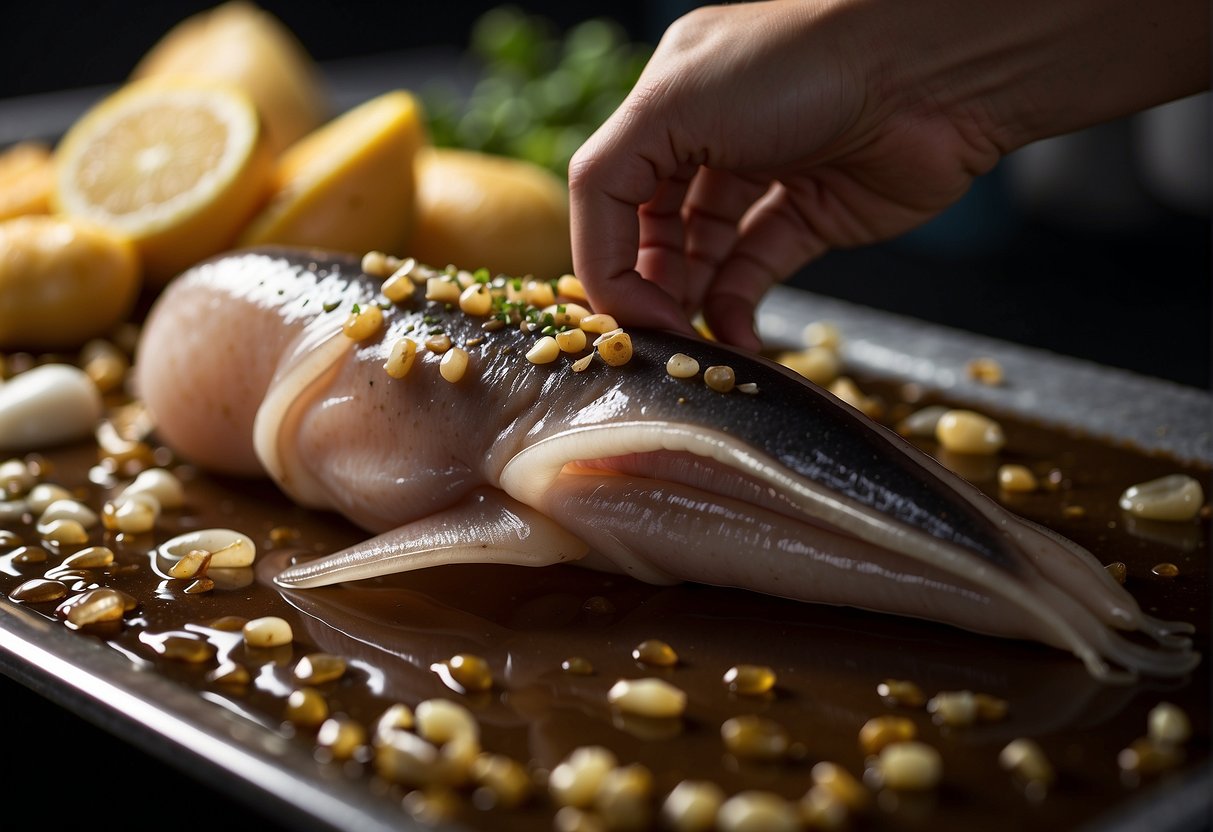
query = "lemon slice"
x=349 y=185
x=239 y=43
x=178 y=167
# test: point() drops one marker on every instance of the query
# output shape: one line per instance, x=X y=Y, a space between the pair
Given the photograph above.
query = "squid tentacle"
x=1063 y=620
x=1106 y=598
x=494 y=481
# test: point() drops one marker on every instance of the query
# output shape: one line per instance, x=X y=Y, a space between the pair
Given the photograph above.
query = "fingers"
x=715 y=205
x=660 y=258
x=608 y=185
x=774 y=241
x=636 y=302
x=605 y=231
x=654 y=232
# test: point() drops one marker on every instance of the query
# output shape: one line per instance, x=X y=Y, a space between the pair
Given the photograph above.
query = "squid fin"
x=486 y=527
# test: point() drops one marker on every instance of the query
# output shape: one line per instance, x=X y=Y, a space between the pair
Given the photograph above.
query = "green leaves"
x=541 y=93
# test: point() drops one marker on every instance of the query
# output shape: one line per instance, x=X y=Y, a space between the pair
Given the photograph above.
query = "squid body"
x=782 y=490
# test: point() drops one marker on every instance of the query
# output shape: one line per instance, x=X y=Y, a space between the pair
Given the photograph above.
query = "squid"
x=250 y=365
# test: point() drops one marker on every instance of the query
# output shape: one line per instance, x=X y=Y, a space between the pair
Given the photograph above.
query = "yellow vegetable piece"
x=507 y=215
x=240 y=44
x=178 y=167
x=26 y=180
x=349 y=185
x=62 y=282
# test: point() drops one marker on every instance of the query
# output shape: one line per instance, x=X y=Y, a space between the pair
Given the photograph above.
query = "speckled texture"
x=1056 y=390
x=524 y=623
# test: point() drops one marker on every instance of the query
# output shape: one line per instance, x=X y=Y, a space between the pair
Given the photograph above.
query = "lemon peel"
x=238 y=43
x=480 y=210
x=26 y=179
x=349 y=185
x=62 y=281
x=177 y=166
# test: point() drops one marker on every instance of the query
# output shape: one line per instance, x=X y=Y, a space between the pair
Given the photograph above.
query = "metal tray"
x=254 y=764
x=1056 y=390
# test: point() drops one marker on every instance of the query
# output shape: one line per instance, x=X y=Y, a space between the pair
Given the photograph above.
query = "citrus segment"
x=241 y=44
x=178 y=167
x=26 y=180
x=479 y=210
x=348 y=186
x=62 y=281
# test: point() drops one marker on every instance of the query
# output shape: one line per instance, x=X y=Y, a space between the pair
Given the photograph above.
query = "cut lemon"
x=62 y=282
x=478 y=210
x=178 y=167
x=241 y=44
x=26 y=180
x=349 y=185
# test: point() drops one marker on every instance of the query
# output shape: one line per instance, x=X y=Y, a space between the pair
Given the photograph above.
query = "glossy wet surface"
x=828 y=661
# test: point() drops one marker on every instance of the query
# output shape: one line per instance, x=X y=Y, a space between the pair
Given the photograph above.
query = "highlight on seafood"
x=335 y=377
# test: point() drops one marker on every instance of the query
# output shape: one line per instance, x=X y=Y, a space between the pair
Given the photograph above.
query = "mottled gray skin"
x=503 y=395
x=400 y=456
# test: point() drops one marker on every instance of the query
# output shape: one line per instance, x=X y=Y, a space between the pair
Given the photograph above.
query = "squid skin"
x=785 y=490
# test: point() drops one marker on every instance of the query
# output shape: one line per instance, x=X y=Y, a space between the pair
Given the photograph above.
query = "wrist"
x=1009 y=73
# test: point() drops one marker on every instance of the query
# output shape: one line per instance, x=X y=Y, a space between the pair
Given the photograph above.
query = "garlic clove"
x=49 y=405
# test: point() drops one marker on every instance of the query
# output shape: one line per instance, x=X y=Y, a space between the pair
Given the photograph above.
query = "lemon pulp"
x=178 y=167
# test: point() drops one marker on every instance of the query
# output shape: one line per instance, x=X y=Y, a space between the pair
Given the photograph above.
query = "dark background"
x=1068 y=248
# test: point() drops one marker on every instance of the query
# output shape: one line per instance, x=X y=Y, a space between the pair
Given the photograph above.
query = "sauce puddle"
x=397 y=635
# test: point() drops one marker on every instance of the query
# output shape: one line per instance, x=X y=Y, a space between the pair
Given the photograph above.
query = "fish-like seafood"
x=780 y=489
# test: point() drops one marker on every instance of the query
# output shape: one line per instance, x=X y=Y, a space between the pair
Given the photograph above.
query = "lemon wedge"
x=349 y=185
x=238 y=43
x=177 y=167
x=62 y=282
x=475 y=209
x=26 y=179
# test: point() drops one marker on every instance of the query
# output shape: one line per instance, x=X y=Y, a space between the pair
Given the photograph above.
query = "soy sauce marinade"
x=528 y=626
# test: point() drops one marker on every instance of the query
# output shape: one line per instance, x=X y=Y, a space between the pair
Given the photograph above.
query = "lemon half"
x=179 y=167
x=241 y=44
x=349 y=185
x=62 y=281
x=476 y=209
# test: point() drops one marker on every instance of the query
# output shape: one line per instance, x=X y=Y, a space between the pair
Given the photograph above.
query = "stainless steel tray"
x=1055 y=390
x=253 y=763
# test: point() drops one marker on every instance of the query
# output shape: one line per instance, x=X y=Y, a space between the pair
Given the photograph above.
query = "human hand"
x=750 y=146
x=763 y=134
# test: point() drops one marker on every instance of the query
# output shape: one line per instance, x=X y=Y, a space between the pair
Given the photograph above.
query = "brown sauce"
x=828 y=661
